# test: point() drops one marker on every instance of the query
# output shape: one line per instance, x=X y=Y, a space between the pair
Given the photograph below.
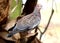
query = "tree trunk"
x=4 y=8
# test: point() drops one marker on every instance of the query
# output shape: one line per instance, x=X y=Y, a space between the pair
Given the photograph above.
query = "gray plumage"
x=28 y=22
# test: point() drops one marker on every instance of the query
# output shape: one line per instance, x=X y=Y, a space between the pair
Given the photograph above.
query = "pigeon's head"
x=38 y=7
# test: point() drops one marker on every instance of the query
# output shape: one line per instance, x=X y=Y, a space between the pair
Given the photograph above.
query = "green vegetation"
x=17 y=10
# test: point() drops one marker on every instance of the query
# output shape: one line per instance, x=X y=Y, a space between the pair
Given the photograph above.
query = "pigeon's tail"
x=10 y=34
x=12 y=28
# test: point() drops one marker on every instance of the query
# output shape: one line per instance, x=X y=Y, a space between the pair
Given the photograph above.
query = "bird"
x=27 y=22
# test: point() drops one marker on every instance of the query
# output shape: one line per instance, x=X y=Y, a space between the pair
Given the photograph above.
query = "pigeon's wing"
x=29 y=21
x=23 y=23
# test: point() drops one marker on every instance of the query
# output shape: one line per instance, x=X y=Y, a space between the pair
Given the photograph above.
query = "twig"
x=48 y=22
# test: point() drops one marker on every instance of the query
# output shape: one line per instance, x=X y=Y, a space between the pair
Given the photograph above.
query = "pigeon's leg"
x=36 y=28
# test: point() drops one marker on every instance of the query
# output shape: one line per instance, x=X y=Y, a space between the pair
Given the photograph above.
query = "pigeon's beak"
x=40 y=6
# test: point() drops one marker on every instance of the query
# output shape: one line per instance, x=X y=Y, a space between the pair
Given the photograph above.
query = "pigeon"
x=27 y=22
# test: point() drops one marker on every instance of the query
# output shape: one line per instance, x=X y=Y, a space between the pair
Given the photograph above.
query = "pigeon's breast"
x=34 y=22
